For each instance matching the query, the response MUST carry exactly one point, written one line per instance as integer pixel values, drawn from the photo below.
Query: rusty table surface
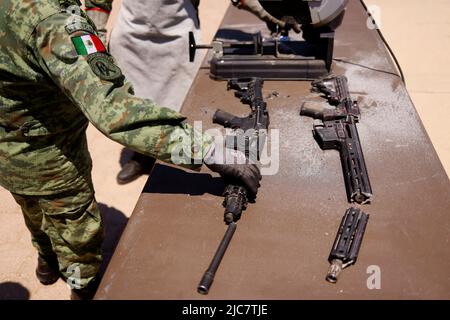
(282, 242)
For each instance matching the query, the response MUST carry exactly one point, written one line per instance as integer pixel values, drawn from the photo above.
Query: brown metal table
(281, 246)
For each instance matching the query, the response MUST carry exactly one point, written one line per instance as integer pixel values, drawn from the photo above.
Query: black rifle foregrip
(356, 177)
(342, 135)
(347, 243)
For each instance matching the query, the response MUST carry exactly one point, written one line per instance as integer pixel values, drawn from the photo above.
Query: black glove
(233, 166)
(257, 9)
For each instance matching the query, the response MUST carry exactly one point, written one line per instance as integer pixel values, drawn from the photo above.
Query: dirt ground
(420, 41)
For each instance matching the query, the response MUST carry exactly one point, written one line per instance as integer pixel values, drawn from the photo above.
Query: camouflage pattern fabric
(104, 4)
(48, 92)
(70, 226)
(99, 17)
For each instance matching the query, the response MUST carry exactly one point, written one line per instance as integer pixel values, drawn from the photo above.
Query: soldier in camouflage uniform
(55, 77)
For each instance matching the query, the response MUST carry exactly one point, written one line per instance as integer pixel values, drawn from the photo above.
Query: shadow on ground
(115, 222)
(13, 291)
(167, 179)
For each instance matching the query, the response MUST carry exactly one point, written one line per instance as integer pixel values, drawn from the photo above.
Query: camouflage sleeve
(98, 11)
(95, 85)
(103, 4)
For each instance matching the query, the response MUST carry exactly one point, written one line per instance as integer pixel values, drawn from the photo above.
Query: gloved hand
(257, 9)
(100, 18)
(233, 166)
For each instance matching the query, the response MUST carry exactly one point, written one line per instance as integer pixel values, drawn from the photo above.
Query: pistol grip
(312, 110)
(223, 118)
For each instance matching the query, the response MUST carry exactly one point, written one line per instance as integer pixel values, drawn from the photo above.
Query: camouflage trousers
(66, 226)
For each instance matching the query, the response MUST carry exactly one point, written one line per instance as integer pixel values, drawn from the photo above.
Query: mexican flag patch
(88, 44)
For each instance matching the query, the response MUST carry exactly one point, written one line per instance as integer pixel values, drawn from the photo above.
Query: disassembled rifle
(253, 129)
(243, 55)
(338, 131)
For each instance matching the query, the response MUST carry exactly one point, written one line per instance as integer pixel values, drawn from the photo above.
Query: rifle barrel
(208, 276)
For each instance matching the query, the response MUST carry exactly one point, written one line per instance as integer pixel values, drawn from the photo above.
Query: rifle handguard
(348, 241)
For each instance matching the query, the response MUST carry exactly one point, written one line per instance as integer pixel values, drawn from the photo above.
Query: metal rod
(203, 46)
(208, 276)
(334, 271)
